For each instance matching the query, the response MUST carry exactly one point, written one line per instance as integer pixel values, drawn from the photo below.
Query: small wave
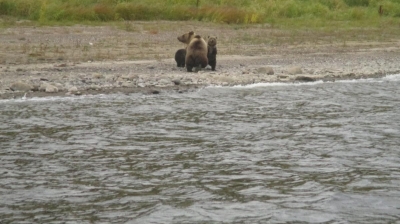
(50, 98)
(257, 85)
(394, 77)
(70, 98)
(368, 80)
(41, 99)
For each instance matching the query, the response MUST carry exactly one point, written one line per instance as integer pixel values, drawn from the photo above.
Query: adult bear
(196, 51)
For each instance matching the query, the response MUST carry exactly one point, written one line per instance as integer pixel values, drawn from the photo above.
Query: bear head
(187, 37)
(212, 41)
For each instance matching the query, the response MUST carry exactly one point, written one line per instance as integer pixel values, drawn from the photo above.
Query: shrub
(130, 11)
(228, 11)
(7, 7)
(104, 12)
(357, 2)
(334, 4)
(357, 13)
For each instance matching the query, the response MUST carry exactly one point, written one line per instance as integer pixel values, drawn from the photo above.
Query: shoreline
(155, 77)
(63, 69)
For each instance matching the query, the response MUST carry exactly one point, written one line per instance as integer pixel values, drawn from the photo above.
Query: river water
(266, 153)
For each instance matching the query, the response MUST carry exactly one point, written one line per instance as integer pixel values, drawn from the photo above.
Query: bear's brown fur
(196, 51)
(212, 52)
(180, 57)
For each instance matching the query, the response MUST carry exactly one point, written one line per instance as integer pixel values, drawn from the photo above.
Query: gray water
(273, 153)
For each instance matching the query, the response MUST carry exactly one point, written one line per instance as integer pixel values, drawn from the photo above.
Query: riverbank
(76, 60)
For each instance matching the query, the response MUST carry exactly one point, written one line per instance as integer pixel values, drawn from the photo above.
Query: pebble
(266, 70)
(295, 70)
(128, 85)
(305, 79)
(51, 89)
(73, 89)
(97, 76)
(176, 82)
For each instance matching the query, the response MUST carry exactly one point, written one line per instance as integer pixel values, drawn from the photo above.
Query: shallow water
(276, 153)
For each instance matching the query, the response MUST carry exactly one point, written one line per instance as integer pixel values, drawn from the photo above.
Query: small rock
(164, 82)
(182, 90)
(142, 85)
(305, 79)
(20, 86)
(127, 85)
(97, 76)
(351, 75)
(73, 89)
(35, 87)
(176, 81)
(295, 70)
(155, 92)
(129, 77)
(51, 89)
(93, 87)
(42, 87)
(59, 86)
(310, 71)
(188, 81)
(283, 76)
(265, 70)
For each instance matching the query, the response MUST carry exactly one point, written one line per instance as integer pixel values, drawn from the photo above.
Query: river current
(266, 153)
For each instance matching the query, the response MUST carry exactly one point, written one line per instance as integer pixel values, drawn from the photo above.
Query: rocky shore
(64, 76)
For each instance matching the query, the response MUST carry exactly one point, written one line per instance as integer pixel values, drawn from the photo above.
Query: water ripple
(320, 153)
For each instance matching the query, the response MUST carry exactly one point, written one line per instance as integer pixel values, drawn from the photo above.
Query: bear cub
(180, 57)
(212, 52)
(196, 51)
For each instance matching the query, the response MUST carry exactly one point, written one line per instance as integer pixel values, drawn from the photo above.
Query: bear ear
(208, 37)
(191, 32)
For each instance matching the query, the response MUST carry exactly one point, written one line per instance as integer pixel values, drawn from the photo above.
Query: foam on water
(394, 78)
(42, 99)
(57, 98)
(257, 85)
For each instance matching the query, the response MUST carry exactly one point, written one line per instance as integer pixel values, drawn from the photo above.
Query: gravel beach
(139, 57)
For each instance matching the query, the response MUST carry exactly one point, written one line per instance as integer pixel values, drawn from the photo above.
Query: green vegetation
(224, 11)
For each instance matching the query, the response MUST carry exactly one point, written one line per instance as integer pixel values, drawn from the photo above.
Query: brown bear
(212, 52)
(180, 57)
(196, 51)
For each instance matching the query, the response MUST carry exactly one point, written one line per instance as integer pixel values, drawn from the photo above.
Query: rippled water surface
(273, 153)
